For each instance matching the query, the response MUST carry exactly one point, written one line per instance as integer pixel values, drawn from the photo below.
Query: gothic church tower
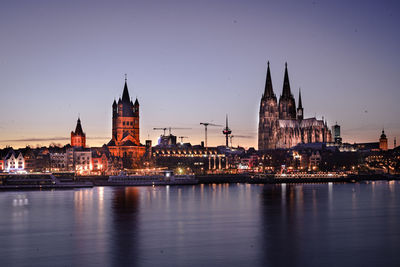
(125, 120)
(287, 105)
(268, 117)
(78, 138)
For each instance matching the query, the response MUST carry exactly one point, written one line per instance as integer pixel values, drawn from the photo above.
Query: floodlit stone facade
(281, 126)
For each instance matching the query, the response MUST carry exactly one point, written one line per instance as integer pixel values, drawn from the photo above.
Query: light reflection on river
(204, 225)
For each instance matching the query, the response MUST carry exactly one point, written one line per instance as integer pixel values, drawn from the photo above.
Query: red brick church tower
(78, 138)
(125, 142)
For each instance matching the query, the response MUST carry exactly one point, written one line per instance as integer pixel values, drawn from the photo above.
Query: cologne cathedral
(281, 125)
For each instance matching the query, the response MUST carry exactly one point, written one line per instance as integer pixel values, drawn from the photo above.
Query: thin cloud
(50, 139)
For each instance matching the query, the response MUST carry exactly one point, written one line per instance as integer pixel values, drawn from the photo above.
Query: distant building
(125, 141)
(383, 142)
(99, 161)
(79, 160)
(58, 161)
(367, 147)
(336, 134)
(281, 126)
(197, 158)
(14, 162)
(78, 138)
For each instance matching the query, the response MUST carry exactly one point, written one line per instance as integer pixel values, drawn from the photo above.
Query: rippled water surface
(204, 225)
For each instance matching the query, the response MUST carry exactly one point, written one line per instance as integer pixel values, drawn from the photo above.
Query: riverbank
(47, 181)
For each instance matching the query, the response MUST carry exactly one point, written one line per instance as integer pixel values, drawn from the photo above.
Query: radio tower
(227, 131)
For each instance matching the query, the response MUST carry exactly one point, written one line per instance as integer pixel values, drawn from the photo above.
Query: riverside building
(125, 140)
(281, 125)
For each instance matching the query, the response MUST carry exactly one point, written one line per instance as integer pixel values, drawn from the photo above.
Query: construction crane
(206, 124)
(170, 128)
(226, 131)
(181, 137)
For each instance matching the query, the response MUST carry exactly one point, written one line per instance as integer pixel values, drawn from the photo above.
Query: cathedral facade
(281, 124)
(125, 141)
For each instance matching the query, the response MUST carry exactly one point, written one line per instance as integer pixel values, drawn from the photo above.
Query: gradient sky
(195, 61)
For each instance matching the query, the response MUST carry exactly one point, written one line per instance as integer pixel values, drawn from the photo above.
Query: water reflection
(330, 225)
(204, 225)
(125, 226)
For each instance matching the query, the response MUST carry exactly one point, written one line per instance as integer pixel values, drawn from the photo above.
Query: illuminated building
(78, 138)
(79, 160)
(58, 161)
(198, 158)
(99, 162)
(336, 134)
(281, 125)
(383, 142)
(125, 142)
(13, 162)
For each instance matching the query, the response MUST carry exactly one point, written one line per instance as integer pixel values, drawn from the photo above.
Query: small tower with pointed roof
(78, 138)
(300, 111)
(383, 142)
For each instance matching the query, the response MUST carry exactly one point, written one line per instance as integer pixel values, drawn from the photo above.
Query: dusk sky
(195, 61)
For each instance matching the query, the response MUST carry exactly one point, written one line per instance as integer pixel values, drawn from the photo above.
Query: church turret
(383, 142)
(287, 105)
(136, 107)
(78, 138)
(300, 111)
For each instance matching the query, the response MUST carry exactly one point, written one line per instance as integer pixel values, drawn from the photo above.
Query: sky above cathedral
(195, 61)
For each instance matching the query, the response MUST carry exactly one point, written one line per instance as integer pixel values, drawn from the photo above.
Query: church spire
(268, 92)
(300, 103)
(78, 129)
(286, 85)
(125, 94)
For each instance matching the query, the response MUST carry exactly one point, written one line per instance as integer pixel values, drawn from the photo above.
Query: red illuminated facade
(78, 138)
(125, 142)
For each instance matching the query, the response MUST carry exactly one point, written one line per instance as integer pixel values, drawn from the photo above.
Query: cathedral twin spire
(286, 91)
(268, 92)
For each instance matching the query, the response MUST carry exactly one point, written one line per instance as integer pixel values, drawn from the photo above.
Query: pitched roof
(78, 129)
(125, 94)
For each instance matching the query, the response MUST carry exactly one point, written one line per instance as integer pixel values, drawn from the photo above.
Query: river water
(204, 225)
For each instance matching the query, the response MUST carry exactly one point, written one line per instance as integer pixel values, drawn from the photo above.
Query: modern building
(125, 141)
(336, 134)
(281, 126)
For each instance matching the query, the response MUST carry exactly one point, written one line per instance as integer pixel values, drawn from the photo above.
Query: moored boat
(159, 178)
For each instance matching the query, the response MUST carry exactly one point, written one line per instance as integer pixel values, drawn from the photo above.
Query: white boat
(160, 178)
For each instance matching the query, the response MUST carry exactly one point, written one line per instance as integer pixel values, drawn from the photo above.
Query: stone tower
(287, 105)
(383, 142)
(78, 138)
(268, 117)
(125, 119)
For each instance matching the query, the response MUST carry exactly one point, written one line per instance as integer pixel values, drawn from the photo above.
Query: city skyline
(191, 63)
